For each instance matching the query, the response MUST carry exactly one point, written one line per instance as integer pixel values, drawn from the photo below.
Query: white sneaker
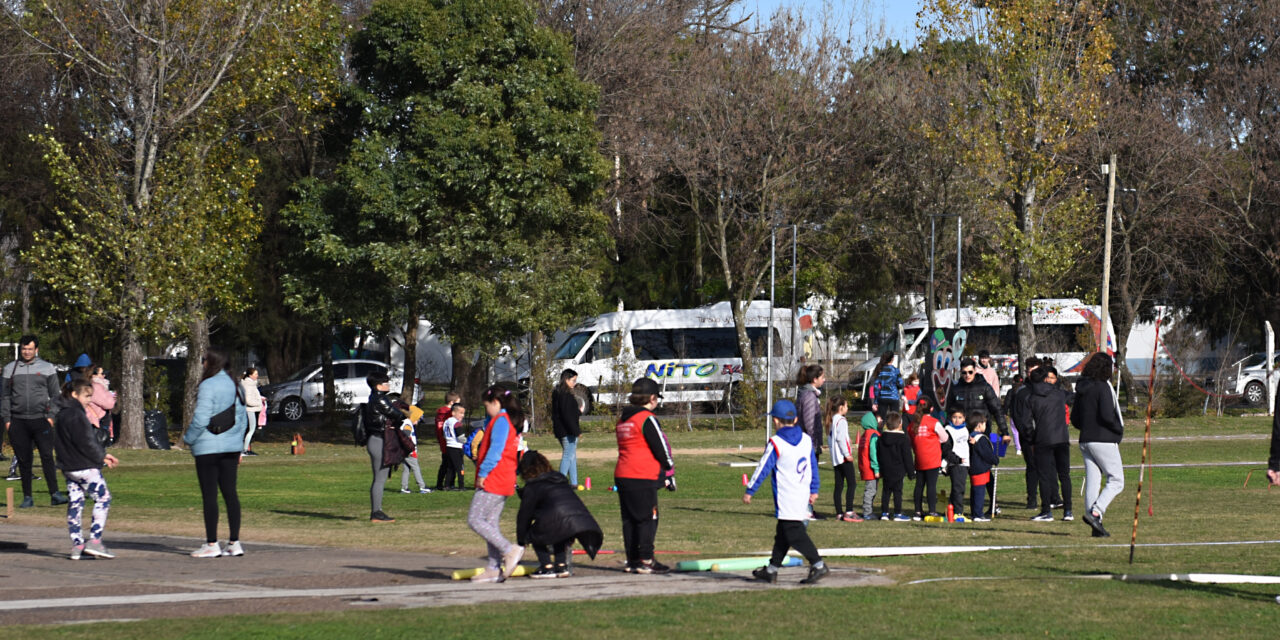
(233, 549)
(208, 550)
(511, 560)
(488, 575)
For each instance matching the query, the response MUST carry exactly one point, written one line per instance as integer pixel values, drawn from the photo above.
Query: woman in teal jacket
(218, 454)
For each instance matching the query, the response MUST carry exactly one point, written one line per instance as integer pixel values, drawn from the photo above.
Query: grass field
(322, 498)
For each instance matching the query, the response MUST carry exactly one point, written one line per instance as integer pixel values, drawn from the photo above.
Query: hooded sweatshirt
(868, 459)
(790, 461)
(1095, 412)
(1048, 405)
(76, 446)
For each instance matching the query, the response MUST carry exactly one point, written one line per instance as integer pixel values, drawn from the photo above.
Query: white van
(692, 353)
(1067, 331)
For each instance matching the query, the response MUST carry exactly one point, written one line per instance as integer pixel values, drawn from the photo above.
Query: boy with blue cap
(790, 460)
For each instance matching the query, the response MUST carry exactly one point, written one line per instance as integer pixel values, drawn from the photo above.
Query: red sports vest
(912, 394)
(864, 453)
(927, 445)
(635, 460)
(502, 480)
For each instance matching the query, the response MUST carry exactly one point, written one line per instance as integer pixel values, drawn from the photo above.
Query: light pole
(773, 277)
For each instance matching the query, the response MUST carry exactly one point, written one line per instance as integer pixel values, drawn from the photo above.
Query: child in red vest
(644, 465)
(926, 439)
(868, 461)
(496, 481)
(911, 396)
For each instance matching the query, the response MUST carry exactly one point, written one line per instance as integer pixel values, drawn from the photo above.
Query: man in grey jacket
(27, 408)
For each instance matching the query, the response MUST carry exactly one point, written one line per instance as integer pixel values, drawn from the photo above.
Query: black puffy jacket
(551, 513)
(565, 414)
(1094, 412)
(978, 396)
(1048, 409)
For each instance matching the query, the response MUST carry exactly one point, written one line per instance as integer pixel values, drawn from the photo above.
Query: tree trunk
(540, 382)
(198, 345)
(470, 374)
(410, 352)
(1026, 335)
(131, 362)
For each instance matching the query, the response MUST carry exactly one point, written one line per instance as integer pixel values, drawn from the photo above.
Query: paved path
(153, 577)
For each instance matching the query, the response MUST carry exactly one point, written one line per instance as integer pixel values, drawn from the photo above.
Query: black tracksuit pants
(639, 521)
(1053, 461)
(27, 435)
(791, 534)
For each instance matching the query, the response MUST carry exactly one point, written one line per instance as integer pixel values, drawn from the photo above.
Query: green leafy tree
(469, 194)
(1039, 82)
(159, 222)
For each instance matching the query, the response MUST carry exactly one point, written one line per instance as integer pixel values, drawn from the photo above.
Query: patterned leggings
(90, 483)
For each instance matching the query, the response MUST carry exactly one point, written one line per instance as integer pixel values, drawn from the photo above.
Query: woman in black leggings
(216, 437)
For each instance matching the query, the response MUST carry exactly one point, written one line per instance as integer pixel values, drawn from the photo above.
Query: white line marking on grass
(880, 552)
(1167, 465)
(1198, 578)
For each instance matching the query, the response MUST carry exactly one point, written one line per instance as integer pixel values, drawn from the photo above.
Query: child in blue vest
(982, 457)
(790, 460)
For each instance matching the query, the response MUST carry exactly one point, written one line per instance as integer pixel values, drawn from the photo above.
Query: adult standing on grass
(496, 481)
(1273, 461)
(565, 414)
(28, 408)
(644, 465)
(1096, 413)
(1048, 408)
(886, 390)
(379, 413)
(1020, 413)
(216, 439)
(252, 404)
(809, 381)
(974, 393)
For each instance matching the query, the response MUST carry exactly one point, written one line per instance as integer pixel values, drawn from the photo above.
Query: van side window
(654, 344)
(605, 346)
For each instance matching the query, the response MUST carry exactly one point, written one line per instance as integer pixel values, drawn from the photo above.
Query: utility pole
(773, 277)
(959, 249)
(1106, 256)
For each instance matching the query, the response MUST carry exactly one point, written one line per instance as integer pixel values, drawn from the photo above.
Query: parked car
(1248, 377)
(303, 392)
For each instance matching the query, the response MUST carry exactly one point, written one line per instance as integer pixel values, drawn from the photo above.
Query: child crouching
(551, 517)
(791, 462)
(81, 456)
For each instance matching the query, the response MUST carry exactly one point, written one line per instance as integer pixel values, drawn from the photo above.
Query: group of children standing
(919, 445)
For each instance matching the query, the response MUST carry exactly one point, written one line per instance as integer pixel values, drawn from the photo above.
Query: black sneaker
(57, 497)
(378, 516)
(763, 574)
(543, 572)
(1043, 517)
(1067, 517)
(1094, 523)
(563, 571)
(816, 574)
(1032, 505)
(651, 567)
(249, 453)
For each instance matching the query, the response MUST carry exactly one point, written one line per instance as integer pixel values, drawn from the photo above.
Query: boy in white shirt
(453, 449)
(790, 460)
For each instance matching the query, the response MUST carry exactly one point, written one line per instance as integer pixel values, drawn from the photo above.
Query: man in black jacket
(973, 393)
(27, 408)
(1020, 413)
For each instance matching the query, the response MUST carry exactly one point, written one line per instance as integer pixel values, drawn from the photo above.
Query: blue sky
(898, 16)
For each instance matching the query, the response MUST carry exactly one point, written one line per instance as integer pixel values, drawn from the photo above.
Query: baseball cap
(784, 410)
(646, 387)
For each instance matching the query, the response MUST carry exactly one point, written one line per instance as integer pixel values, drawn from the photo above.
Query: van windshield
(572, 346)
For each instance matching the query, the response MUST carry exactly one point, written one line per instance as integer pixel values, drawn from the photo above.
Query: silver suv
(1248, 377)
(303, 392)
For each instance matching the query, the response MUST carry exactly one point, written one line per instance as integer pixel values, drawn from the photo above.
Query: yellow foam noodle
(465, 574)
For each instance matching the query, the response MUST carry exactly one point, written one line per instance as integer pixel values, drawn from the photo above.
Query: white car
(303, 392)
(1248, 377)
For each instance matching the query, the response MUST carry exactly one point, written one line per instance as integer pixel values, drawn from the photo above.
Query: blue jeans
(569, 459)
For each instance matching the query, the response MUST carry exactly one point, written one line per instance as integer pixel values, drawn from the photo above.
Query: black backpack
(358, 432)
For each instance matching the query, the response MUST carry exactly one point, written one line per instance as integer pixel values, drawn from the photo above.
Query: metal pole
(773, 276)
(1106, 256)
(959, 248)
(794, 309)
